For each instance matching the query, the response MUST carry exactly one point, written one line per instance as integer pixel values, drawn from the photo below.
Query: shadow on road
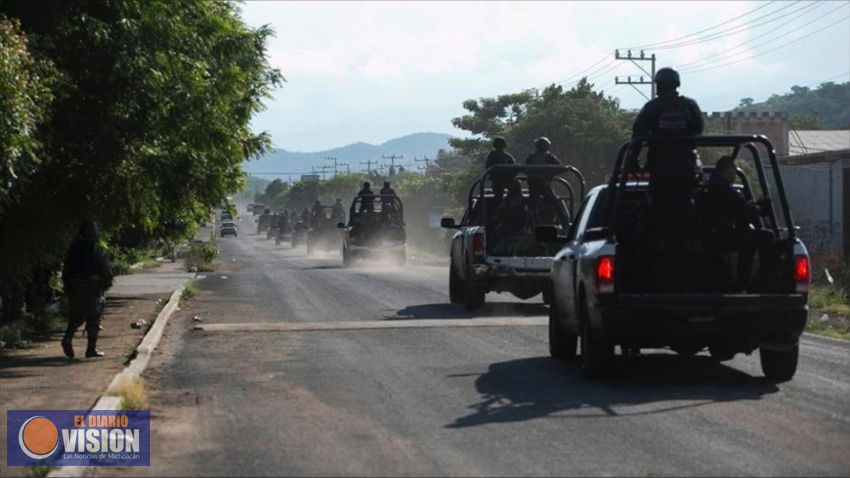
(530, 388)
(451, 311)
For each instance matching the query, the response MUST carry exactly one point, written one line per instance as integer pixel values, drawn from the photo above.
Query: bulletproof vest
(81, 260)
(674, 159)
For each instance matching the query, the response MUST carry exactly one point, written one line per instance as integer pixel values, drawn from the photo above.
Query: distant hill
(825, 107)
(294, 162)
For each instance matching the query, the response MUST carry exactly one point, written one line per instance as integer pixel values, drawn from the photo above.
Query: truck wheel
(779, 365)
(597, 353)
(562, 344)
(473, 297)
(455, 285)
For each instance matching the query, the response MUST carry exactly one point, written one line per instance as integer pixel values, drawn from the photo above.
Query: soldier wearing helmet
(541, 188)
(673, 164)
(499, 156)
(541, 154)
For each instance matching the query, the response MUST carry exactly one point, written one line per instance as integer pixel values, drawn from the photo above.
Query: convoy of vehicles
(375, 230)
(608, 290)
(538, 233)
(495, 248)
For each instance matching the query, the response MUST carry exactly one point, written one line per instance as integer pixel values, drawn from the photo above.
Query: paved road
(447, 400)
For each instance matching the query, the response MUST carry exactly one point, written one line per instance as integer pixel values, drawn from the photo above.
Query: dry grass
(133, 393)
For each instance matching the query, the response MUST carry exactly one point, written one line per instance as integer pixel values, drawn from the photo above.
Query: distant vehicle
(258, 209)
(228, 228)
(611, 290)
(495, 249)
(323, 234)
(249, 207)
(264, 222)
(375, 230)
(225, 216)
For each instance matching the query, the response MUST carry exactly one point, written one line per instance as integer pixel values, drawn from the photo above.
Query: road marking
(372, 324)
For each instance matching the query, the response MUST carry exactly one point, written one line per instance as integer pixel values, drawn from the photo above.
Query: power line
(726, 53)
(651, 45)
(734, 30)
(707, 68)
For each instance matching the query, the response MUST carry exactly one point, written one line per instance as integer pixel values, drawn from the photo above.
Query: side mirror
(340, 225)
(548, 234)
(595, 234)
(448, 223)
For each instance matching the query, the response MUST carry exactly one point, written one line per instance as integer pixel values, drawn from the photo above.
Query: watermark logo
(78, 437)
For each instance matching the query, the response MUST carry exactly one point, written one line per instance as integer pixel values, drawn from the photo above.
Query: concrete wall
(773, 125)
(819, 202)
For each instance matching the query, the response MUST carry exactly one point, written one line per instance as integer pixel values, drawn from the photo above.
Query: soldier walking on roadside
(86, 275)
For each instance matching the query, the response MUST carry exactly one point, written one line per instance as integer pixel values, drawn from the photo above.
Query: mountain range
(283, 163)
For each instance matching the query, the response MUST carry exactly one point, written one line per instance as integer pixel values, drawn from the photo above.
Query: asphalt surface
(243, 400)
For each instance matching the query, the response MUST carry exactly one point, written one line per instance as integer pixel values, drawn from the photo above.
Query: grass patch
(133, 393)
(829, 295)
(827, 329)
(189, 291)
(150, 264)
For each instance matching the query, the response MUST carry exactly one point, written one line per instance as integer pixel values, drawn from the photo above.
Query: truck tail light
(479, 244)
(605, 274)
(802, 273)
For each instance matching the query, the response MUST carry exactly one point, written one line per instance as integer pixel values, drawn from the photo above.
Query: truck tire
(455, 285)
(562, 344)
(597, 353)
(779, 365)
(473, 296)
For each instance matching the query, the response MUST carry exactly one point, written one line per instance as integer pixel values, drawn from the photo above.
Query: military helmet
(542, 143)
(667, 78)
(499, 142)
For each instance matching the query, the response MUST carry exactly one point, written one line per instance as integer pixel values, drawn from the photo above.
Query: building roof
(802, 142)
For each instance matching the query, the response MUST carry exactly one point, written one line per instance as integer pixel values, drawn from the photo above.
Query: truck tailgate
(711, 304)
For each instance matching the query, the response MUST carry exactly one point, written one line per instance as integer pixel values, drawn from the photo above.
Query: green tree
(148, 126)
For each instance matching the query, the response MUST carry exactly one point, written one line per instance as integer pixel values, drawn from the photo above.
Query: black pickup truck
(375, 230)
(609, 291)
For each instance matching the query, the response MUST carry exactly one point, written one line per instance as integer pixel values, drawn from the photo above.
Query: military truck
(323, 234)
(610, 288)
(375, 229)
(494, 248)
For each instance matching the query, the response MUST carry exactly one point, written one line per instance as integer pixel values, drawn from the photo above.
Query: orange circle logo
(38, 438)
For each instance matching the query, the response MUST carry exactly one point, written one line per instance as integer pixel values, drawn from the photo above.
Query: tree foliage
(148, 124)
(825, 107)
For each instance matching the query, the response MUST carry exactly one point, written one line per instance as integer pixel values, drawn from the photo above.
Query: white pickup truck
(494, 248)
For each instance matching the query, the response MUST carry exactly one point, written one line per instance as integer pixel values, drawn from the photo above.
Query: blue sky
(372, 71)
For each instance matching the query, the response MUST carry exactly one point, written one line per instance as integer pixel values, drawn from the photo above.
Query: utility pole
(368, 165)
(331, 158)
(426, 160)
(323, 169)
(347, 167)
(635, 59)
(392, 159)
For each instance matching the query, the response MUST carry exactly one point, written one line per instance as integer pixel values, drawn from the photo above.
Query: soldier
(317, 209)
(305, 217)
(538, 188)
(338, 212)
(387, 195)
(672, 165)
(86, 275)
(367, 203)
(730, 215)
(499, 156)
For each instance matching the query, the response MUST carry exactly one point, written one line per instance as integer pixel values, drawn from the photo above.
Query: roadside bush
(201, 256)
